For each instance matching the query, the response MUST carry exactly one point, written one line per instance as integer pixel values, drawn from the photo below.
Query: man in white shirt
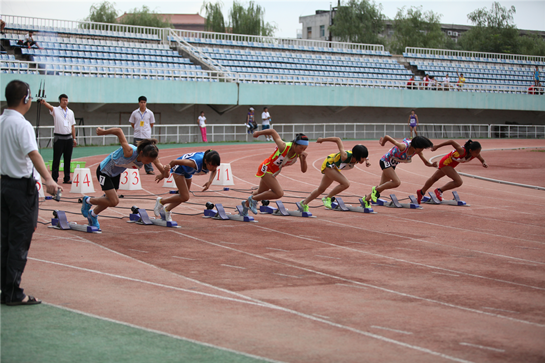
(266, 122)
(142, 120)
(18, 157)
(64, 138)
(29, 40)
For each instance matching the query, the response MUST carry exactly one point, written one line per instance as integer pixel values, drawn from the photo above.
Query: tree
(214, 17)
(358, 21)
(417, 29)
(102, 13)
(145, 17)
(532, 45)
(249, 20)
(493, 31)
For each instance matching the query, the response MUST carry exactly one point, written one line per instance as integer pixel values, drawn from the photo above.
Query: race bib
(264, 169)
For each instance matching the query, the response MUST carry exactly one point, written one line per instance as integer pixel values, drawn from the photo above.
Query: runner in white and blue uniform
(109, 171)
(182, 170)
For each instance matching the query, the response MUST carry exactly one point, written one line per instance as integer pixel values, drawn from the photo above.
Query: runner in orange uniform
(286, 154)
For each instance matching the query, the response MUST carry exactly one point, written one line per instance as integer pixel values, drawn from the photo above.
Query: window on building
(309, 32)
(322, 31)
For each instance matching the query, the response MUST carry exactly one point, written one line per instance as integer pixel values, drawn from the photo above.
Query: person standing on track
(331, 169)
(266, 122)
(202, 126)
(65, 136)
(402, 152)
(413, 123)
(19, 156)
(109, 171)
(142, 121)
(471, 150)
(285, 154)
(183, 170)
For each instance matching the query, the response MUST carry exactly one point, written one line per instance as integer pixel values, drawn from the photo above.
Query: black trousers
(60, 147)
(147, 167)
(19, 220)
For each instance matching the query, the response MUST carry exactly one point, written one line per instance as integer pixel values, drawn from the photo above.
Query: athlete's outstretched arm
(426, 161)
(277, 139)
(303, 158)
(336, 140)
(482, 161)
(452, 143)
(401, 146)
(127, 149)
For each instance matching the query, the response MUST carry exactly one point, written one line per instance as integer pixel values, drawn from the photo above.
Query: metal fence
(469, 54)
(181, 134)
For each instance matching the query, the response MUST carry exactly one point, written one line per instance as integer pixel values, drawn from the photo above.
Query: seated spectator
(411, 84)
(446, 83)
(2, 25)
(536, 89)
(433, 83)
(29, 41)
(426, 81)
(461, 80)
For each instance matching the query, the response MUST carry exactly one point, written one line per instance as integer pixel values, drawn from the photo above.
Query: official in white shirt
(18, 157)
(142, 120)
(266, 122)
(64, 138)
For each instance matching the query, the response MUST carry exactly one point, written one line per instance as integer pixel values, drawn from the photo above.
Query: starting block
(140, 216)
(221, 214)
(282, 211)
(61, 222)
(339, 205)
(395, 203)
(432, 199)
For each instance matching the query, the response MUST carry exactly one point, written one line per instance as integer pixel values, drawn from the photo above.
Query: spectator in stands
(461, 79)
(433, 83)
(142, 120)
(536, 77)
(202, 126)
(446, 83)
(535, 89)
(250, 121)
(64, 138)
(29, 40)
(425, 81)
(2, 25)
(411, 84)
(266, 122)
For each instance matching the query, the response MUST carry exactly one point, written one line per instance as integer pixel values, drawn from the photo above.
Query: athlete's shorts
(265, 127)
(330, 166)
(107, 182)
(180, 171)
(386, 165)
(412, 125)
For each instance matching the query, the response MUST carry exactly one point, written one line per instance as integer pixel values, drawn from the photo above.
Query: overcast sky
(285, 14)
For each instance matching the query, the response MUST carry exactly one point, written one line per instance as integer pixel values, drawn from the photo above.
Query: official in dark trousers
(142, 120)
(18, 157)
(64, 138)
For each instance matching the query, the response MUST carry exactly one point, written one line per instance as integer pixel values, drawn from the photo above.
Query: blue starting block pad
(432, 199)
(395, 203)
(61, 222)
(282, 211)
(339, 205)
(140, 216)
(221, 214)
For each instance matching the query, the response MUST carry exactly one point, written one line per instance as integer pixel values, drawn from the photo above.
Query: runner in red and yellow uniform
(470, 151)
(286, 154)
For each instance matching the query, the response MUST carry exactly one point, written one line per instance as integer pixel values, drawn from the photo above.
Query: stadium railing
(468, 56)
(189, 133)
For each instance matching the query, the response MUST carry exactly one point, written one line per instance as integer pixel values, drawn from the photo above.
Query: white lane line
(483, 347)
(229, 243)
(359, 287)
(138, 250)
(184, 258)
(521, 263)
(360, 243)
(528, 248)
(507, 311)
(276, 249)
(321, 316)
(441, 273)
(384, 264)
(408, 249)
(163, 333)
(336, 258)
(395, 330)
(295, 277)
(242, 268)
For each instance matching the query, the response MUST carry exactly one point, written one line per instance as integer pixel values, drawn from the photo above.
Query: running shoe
(439, 194)
(159, 209)
(244, 209)
(303, 206)
(374, 194)
(327, 202)
(93, 221)
(85, 206)
(366, 203)
(253, 204)
(168, 217)
(419, 196)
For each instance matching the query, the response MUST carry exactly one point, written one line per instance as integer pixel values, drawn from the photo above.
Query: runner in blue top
(109, 171)
(402, 152)
(183, 170)
(413, 123)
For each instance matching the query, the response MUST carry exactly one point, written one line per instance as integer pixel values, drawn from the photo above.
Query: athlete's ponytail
(212, 157)
(148, 148)
(300, 139)
(472, 145)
